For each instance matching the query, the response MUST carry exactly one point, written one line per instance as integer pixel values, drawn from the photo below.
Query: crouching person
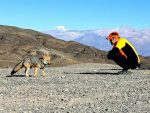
(123, 53)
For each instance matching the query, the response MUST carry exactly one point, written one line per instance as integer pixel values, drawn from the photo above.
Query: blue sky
(75, 14)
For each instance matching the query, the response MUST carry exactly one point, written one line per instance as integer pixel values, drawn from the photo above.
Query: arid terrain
(16, 42)
(80, 78)
(80, 88)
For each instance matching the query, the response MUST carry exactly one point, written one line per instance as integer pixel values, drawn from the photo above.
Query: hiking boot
(126, 72)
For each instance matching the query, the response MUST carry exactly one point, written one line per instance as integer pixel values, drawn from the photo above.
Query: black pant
(123, 62)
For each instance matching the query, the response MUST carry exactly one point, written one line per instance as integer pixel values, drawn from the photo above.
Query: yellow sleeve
(121, 43)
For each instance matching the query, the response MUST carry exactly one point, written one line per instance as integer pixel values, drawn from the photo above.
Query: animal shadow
(17, 76)
(101, 73)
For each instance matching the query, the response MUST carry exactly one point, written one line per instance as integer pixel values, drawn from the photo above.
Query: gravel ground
(80, 88)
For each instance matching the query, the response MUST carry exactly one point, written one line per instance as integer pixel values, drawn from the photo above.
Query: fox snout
(49, 63)
(47, 60)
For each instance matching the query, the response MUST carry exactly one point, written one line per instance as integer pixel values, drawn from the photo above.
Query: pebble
(79, 88)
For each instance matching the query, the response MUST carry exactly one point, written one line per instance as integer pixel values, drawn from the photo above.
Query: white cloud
(61, 28)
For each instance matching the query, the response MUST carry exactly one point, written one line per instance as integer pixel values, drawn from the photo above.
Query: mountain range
(15, 44)
(140, 38)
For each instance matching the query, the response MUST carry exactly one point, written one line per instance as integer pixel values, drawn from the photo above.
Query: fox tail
(17, 67)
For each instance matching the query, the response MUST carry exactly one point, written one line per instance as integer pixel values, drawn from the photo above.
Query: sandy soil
(80, 88)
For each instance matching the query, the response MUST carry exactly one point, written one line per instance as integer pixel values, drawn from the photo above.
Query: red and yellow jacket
(125, 48)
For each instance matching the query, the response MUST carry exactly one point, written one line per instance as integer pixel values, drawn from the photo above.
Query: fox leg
(43, 71)
(36, 71)
(26, 71)
(27, 68)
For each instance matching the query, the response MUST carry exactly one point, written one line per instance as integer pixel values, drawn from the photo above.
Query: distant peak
(61, 28)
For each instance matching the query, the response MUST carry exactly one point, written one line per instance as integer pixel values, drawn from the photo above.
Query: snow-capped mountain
(140, 38)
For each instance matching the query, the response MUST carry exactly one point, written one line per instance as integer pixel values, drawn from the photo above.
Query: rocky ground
(80, 88)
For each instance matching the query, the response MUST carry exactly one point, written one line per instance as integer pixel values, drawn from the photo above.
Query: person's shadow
(99, 72)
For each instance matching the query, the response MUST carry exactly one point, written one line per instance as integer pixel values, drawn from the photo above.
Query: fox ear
(47, 54)
(40, 54)
(32, 52)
